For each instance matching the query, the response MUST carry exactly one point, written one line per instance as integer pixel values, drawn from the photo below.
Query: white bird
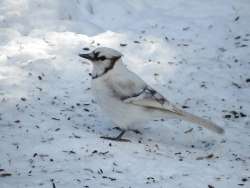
(127, 99)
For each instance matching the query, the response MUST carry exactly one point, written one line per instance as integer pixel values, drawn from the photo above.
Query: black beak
(86, 56)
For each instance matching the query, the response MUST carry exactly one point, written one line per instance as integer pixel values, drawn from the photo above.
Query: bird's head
(102, 55)
(103, 59)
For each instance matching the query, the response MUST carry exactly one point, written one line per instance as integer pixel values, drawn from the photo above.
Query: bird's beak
(86, 56)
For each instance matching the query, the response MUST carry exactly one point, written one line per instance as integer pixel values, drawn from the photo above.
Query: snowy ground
(195, 52)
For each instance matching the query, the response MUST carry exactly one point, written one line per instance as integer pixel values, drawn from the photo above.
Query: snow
(196, 53)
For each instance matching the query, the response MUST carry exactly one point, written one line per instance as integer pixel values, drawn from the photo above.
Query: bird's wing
(148, 97)
(132, 89)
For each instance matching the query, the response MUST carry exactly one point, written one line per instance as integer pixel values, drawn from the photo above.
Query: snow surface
(196, 53)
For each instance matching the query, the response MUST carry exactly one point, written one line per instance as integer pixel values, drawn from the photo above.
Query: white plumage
(127, 99)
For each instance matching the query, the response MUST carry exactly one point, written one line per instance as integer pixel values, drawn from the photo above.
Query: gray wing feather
(148, 97)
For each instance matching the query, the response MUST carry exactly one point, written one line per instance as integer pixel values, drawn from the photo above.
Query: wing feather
(148, 97)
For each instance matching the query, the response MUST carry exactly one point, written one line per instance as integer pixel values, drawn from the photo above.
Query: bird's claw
(115, 139)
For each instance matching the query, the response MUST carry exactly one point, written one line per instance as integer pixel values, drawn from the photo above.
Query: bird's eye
(102, 58)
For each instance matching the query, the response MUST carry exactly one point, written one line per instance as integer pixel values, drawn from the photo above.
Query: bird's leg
(118, 138)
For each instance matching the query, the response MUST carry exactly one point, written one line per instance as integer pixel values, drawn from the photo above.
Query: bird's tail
(201, 121)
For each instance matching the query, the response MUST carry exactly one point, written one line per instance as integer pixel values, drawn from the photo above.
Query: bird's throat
(106, 69)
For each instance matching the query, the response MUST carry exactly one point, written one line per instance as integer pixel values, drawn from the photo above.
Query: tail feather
(201, 121)
(173, 111)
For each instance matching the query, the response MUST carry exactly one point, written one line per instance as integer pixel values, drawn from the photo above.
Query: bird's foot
(118, 138)
(115, 139)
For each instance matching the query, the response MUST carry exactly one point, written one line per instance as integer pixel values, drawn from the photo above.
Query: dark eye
(102, 58)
